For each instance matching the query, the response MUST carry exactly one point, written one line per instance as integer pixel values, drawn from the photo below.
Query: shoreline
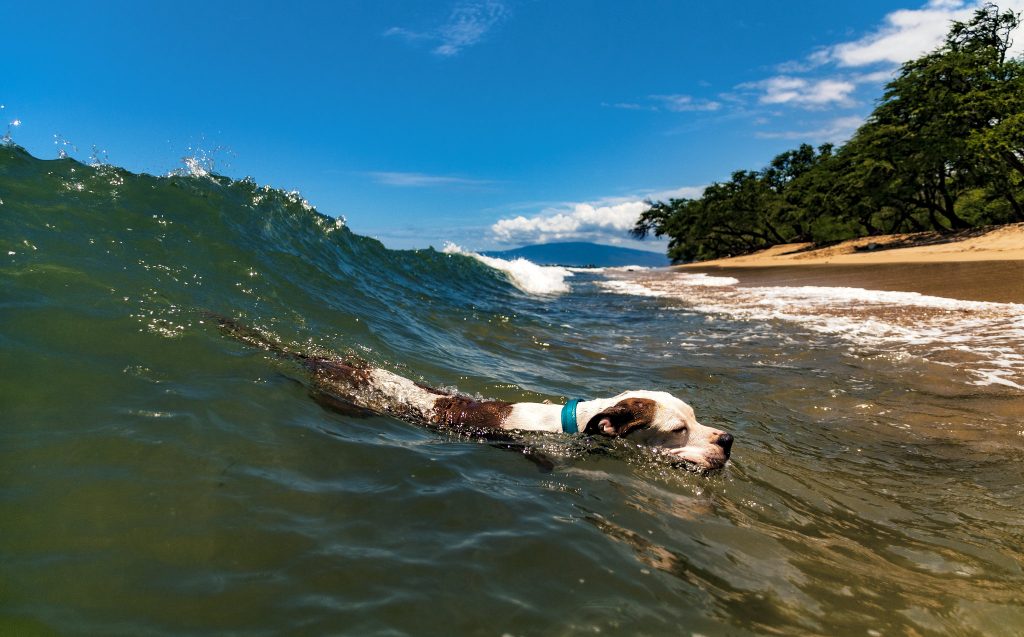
(975, 265)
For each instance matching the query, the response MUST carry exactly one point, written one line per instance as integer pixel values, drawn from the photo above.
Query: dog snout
(725, 442)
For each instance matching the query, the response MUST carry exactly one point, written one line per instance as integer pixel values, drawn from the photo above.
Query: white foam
(617, 268)
(707, 280)
(631, 288)
(525, 275)
(985, 339)
(196, 167)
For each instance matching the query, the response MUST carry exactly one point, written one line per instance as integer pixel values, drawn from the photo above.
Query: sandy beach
(977, 265)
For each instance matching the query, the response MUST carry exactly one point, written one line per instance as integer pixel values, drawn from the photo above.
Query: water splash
(98, 157)
(200, 162)
(8, 137)
(63, 144)
(525, 275)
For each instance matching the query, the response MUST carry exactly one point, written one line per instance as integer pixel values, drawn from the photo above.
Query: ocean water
(157, 478)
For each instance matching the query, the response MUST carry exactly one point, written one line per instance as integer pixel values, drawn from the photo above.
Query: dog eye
(680, 429)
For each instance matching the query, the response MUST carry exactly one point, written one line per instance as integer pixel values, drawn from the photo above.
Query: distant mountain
(582, 254)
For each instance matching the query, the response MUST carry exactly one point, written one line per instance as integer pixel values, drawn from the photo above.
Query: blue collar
(569, 416)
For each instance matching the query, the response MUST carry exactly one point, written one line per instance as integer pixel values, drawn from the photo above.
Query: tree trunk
(1013, 160)
(948, 210)
(915, 225)
(904, 216)
(936, 224)
(865, 220)
(1018, 212)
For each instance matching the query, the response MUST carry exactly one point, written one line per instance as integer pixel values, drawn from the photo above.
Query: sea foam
(985, 339)
(525, 275)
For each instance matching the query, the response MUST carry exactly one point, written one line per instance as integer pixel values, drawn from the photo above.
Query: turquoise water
(157, 478)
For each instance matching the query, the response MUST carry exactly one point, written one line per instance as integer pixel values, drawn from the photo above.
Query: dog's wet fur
(652, 418)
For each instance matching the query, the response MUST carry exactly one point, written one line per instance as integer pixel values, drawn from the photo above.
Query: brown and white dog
(652, 418)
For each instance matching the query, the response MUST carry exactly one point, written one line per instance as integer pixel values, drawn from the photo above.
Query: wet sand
(997, 281)
(976, 265)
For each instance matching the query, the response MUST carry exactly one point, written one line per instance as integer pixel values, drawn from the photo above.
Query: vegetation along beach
(849, 307)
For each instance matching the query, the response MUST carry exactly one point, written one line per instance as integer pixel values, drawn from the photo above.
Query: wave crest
(522, 273)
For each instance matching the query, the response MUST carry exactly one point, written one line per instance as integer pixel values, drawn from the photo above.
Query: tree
(944, 113)
(943, 150)
(794, 175)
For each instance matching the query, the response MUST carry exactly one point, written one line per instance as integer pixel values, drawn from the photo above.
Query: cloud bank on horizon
(606, 221)
(827, 80)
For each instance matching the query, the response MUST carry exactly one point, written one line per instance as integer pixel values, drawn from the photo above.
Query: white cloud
(811, 62)
(605, 221)
(680, 103)
(875, 77)
(910, 33)
(407, 34)
(836, 131)
(420, 180)
(686, 192)
(785, 89)
(467, 24)
(903, 35)
(673, 103)
(628, 106)
(581, 220)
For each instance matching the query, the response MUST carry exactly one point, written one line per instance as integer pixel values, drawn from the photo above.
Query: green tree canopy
(943, 150)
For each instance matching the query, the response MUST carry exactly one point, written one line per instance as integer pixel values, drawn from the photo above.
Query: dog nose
(725, 442)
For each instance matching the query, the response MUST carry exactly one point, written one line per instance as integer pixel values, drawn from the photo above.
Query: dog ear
(623, 417)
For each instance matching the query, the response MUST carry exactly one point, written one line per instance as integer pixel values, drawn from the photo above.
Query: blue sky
(489, 123)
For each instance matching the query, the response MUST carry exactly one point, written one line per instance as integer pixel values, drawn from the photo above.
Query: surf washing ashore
(159, 478)
(985, 264)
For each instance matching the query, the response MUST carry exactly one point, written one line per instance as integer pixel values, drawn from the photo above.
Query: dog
(652, 418)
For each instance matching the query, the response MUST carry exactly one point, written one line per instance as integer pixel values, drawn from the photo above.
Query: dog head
(661, 420)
